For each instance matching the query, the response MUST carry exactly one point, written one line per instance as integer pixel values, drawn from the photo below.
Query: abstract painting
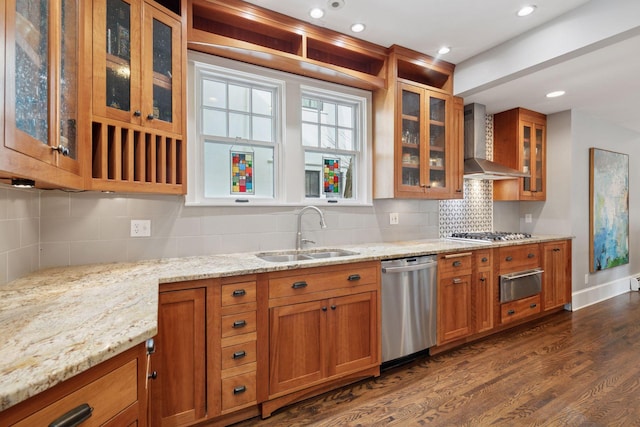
(609, 209)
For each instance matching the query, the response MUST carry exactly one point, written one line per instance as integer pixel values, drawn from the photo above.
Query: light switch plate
(140, 228)
(527, 218)
(394, 218)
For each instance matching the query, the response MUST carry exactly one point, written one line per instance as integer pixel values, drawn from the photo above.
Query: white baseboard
(595, 294)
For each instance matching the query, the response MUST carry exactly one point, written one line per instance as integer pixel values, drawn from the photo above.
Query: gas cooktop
(490, 236)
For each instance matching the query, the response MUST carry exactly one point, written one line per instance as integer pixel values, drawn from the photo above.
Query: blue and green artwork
(609, 239)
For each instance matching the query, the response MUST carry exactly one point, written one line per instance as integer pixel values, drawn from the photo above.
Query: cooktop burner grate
(491, 236)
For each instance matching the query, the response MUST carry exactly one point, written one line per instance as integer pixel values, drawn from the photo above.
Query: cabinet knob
(484, 259)
(508, 258)
(511, 312)
(324, 308)
(457, 264)
(150, 117)
(153, 375)
(531, 256)
(137, 113)
(483, 279)
(333, 307)
(534, 305)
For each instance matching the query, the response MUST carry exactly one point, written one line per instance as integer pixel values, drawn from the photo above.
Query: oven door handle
(523, 274)
(414, 267)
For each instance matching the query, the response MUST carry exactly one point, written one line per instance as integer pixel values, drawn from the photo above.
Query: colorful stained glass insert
(332, 177)
(242, 173)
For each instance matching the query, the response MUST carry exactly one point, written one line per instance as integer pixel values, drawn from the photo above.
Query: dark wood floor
(572, 369)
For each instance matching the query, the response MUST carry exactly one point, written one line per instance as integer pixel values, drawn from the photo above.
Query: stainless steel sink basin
(302, 256)
(331, 254)
(283, 257)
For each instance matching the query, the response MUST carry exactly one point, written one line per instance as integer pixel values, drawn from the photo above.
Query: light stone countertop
(57, 323)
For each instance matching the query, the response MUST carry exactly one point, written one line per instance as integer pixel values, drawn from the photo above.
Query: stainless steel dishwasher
(408, 306)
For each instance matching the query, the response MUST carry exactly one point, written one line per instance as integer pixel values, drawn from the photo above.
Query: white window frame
(289, 185)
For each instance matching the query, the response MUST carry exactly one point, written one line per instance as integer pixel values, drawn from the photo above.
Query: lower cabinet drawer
(239, 390)
(519, 309)
(107, 395)
(239, 354)
(238, 324)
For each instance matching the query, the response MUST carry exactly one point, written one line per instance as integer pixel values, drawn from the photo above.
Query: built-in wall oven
(408, 306)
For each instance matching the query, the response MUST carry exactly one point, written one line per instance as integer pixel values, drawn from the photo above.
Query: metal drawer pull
(299, 285)
(513, 276)
(531, 256)
(333, 307)
(353, 277)
(457, 255)
(74, 417)
(511, 312)
(508, 258)
(483, 279)
(457, 280)
(324, 308)
(534, 305)
(457, 263)
(239, 389)
(239, 324)
(239, 354)
(239, 293)
(484, 259)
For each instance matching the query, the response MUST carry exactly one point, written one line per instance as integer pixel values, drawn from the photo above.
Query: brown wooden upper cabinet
(137, 120)
(520, 142)
(137, 66)
(41, 84)
(417, 145)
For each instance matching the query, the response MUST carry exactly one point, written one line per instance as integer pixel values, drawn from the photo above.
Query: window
(263, 137)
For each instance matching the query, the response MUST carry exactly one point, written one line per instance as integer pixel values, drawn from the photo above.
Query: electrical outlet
(140, 228)
(394, 218)
(527, 218)
(586, 278)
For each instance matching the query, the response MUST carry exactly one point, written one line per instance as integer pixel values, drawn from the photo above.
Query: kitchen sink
(303, 256)
(330, 254)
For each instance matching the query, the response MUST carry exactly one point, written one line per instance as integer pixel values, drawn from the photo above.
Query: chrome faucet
(299, 239)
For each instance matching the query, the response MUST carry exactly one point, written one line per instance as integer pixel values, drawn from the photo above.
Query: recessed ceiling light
(555, 94)
(527, 10)
(316, 13)
(444, 50)
(358, 28)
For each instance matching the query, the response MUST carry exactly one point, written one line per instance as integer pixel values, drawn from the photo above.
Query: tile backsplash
(475, 211)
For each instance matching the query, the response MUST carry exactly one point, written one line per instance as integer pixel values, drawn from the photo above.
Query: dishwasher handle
(522, 274)
(414, 267)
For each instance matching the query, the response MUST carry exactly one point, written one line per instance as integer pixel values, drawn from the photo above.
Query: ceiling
(600, 73)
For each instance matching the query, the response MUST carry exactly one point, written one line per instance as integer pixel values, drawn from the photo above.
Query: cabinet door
(297, 346)
(161, 67)
(440, 161)
(41, 80)
(556, 279)
(178, 393)
(533, 161)
(412, 173)
(116, 60)
(353, 332)
(454, 308)
(483, 288)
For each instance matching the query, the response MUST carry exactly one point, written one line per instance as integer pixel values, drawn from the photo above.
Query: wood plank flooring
(571, 369)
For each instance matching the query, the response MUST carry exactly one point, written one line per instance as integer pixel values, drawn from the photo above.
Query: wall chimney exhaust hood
(476, 166)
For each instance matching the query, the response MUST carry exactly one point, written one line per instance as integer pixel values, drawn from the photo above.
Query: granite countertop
(59, 322)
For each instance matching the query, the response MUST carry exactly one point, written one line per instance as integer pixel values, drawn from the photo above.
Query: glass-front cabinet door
(41, 81)
(161, 98)
(116, 60)
(422, 147)
(533, 149)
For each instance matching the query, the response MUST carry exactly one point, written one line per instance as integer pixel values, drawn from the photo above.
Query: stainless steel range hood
(476, 166)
